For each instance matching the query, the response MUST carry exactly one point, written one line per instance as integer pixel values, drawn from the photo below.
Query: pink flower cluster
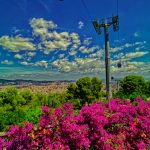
(116, 125)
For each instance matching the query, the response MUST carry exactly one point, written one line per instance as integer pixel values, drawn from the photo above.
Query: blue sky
(55, 40)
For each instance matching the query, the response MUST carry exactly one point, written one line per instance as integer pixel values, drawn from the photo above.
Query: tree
(72, 88)
(147, 90)
(132, 86)
(9, 95)
(85, 88)
(132, 83)
(96, 86)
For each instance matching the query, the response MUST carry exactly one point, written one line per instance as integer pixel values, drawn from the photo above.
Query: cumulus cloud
(55, 45)
(42, 63)
(59, 41)
(61, 56)
(116, 49)
(72, 53)
(85, 49)
(119, 56)
(41, 26)
(80, 24)
(140, 43)
(132, 55)
(7, 62)
(97, 54)
(25, 63)
(120, 48)
(136, 34)
(94, 64)
(129, 67)
(87, 41)
(31, 54)
(18, 56)
(86, 65)
(51, 40)
(136, 45)
(16, 44)
(63, 65)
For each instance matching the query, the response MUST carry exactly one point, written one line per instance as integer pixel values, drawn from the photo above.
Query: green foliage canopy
(85, 88)
(132, 86)
(132, 83)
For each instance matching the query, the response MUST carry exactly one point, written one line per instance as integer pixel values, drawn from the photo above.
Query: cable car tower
(106, 23)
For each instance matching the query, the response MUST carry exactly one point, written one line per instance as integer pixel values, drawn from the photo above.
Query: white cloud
(74, 47)
(31, 54)
(85, 49)
(16, 44)
(15, 30)
(18, 56)
(119, 56)
(61, 56)
(140, 43)
(120, 48)
(86, 65)
(136, 45)
(116, 49)
(75, 41)
(42, 63)
(7, 62)
(136, 34)
(80, 24)
(53, 45)
(129, 67)
(41, 27)
(52, 40)
(97, 54)
(25, 63)
(87, 41)
(132, 55)
(72, 53)
(59, 41)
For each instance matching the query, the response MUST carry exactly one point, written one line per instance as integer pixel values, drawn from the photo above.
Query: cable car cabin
(112, 78)
(119, 65)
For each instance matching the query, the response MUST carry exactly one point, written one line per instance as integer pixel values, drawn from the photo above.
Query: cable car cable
(117, 6)
(119, 64)
(87, 10)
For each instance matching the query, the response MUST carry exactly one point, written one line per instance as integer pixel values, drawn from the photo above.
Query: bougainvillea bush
(118, 125)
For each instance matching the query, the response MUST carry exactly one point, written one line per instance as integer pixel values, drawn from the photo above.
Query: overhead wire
(118, 36)
(117, 6)
(89, 16)
(119, 65)
(86, 9)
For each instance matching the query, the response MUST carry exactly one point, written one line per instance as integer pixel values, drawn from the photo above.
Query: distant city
(4, 82)
(45, 86)
(36, 86)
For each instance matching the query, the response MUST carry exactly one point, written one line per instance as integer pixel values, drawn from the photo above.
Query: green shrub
(8, 118)
(27, 95)
(134, 95)
(33, 115)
